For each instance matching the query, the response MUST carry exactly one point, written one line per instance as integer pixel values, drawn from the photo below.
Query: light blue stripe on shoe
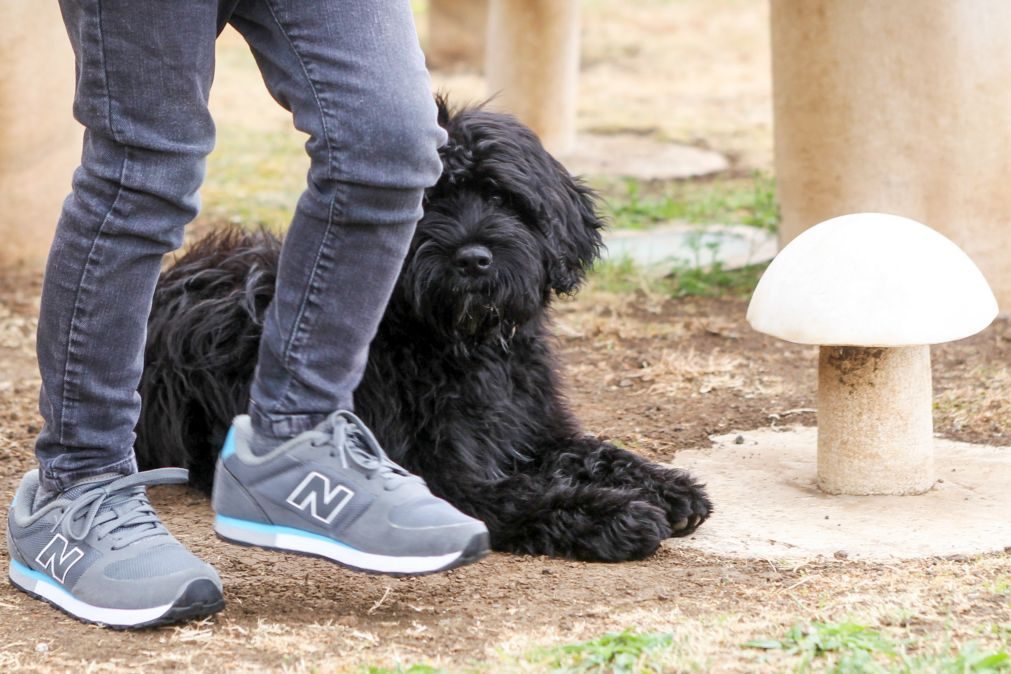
(35, 575)
(228, 448)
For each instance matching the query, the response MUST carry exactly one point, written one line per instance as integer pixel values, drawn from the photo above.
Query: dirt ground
(654, 374)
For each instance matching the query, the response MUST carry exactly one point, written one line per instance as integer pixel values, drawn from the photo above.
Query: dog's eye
(495, 200)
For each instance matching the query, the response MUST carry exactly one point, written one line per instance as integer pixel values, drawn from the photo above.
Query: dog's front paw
(686, 503)
(633, 532)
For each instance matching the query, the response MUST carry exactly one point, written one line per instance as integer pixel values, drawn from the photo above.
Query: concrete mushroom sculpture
(873, 291)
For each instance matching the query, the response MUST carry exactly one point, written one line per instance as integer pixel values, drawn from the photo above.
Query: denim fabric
(353, 76)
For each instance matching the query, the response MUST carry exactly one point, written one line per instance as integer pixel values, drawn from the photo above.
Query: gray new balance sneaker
(332, 492)
(99, 552)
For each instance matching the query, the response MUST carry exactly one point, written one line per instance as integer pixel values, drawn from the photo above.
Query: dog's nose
(473, 259)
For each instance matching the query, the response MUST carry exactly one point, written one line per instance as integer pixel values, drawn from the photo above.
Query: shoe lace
(351, 441)
(119, 509)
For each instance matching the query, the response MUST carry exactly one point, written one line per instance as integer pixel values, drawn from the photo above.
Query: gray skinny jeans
(353, 76)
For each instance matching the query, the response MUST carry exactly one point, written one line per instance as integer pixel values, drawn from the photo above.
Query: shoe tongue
(387, 468)
(119, 507)
(43, 497)
(356, 443)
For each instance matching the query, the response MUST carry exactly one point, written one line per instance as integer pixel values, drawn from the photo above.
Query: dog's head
(505, 227)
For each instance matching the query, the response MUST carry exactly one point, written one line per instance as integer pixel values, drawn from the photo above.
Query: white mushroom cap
(871, 279)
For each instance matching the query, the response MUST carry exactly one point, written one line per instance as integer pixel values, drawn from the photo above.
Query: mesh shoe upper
(103, 543)
(336, 481)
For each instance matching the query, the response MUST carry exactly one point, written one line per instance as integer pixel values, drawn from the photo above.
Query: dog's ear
(575, 229)
(508, 160)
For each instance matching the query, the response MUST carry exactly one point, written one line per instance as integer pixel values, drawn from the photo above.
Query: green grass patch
(255, 177)
(852, 648)
(806, 648)
(744, 201)
(716, 281)
(623, 276)
(405, 669)
(625, 652)
(971, 659)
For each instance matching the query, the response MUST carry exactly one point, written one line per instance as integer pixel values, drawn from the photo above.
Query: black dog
(461, 385)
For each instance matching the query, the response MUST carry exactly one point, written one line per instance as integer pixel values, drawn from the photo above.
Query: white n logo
(58, 564)
(314, 487)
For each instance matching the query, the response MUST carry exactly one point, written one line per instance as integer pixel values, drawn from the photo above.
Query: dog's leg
(591, 461)
(543, 515)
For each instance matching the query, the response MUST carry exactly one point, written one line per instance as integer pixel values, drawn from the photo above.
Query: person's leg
(144, 72)
(354, 77)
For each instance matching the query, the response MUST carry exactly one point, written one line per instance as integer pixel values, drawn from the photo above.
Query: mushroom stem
(875, 423)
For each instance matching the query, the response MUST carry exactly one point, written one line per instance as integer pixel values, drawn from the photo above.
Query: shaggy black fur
(461, 385)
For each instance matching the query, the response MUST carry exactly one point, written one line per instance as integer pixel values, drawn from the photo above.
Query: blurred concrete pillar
(40, 143)
(532, 65)
(903, 107)
(456, 33)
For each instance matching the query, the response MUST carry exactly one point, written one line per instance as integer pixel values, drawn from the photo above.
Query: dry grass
(933, 609)
(981, 403)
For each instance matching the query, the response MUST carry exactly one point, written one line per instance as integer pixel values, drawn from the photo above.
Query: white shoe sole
(292, 540)
(43, 587)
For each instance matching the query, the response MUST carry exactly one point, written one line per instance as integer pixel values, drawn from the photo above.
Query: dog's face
(505, 227)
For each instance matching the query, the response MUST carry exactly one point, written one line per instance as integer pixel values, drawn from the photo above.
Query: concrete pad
(628, 155)
(663, 248)
(768, 505)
